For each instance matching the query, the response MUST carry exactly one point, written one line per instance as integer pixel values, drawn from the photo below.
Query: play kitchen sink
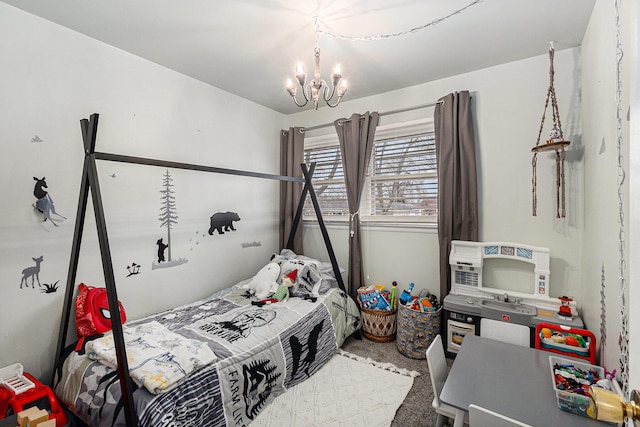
(494, 308)
(512, 307)
(513, 312)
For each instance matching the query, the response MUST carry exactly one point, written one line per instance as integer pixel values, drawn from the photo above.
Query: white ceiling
(250, 47)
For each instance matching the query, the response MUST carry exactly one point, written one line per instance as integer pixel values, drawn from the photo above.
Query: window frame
(395, 130)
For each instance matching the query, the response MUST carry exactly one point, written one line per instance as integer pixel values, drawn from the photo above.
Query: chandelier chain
(316, 20)
(391, 35)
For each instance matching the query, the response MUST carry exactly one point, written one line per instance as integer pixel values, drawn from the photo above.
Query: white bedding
(157, 357)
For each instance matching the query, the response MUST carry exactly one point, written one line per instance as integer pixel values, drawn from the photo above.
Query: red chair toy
(20, 390)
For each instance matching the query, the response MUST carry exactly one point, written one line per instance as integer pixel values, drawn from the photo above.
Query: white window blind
(328, 181)
(401, 182)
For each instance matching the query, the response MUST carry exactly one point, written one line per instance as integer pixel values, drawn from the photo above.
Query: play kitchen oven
(457, 326)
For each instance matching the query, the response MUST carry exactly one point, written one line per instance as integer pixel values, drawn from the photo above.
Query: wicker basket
(416, 331)
(379, 325)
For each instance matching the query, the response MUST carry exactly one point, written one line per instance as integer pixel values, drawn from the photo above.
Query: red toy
(572, 343)
(21, 390)
(565, 309)
(92, 311)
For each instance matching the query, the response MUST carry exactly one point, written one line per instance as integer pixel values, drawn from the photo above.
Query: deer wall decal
(32, 272)
(44, 203)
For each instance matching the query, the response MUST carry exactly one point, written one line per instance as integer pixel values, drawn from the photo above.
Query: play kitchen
(507, 313)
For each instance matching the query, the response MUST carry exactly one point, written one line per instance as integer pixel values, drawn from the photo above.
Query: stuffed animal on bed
(264, 283)
(282, 293)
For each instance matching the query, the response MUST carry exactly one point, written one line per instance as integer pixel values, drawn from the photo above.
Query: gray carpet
(416, 410)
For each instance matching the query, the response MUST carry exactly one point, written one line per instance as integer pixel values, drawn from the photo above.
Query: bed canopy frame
(89, 181)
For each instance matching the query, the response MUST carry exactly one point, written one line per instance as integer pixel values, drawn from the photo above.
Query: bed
(218, 361)
(260, 352)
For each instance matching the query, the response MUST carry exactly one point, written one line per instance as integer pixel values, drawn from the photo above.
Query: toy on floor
(19, 391)
(36, 417)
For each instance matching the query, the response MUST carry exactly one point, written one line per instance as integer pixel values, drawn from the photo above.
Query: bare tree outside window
(402, 180)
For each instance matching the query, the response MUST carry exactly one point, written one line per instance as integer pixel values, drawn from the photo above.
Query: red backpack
(92, 311)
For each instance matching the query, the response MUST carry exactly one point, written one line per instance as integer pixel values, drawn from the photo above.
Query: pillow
(307, 279)
(326, 270)
(328, 278)
(284, 256)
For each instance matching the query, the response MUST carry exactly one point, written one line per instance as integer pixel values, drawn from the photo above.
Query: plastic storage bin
(548, 344)
(571, 401)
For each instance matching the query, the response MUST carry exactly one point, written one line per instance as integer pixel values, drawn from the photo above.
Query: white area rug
(348, 391)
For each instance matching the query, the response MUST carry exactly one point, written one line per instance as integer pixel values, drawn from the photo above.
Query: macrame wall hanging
(555, 143)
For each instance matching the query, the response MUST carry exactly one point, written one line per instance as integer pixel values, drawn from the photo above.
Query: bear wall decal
(222, 220)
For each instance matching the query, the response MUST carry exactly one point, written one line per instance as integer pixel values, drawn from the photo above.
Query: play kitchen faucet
(507, 298)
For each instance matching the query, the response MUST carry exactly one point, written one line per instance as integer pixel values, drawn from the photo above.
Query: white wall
(50, 78)
(508, 102)
(634, 193)
(602, 239)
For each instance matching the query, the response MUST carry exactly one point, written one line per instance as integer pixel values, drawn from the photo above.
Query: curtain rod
(401, 110)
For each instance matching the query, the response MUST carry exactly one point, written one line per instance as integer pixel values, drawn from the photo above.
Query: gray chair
(482, 417)
(438, 370)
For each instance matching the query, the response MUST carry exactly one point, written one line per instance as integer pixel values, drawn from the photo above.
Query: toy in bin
(424, 302)
(405, 298)
(571, 382)
(19, 390)
(373, 299)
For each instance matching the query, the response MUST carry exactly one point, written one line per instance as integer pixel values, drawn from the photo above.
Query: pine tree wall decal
(168, 214)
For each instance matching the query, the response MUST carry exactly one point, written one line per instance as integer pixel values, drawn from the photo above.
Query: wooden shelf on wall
(553, 146)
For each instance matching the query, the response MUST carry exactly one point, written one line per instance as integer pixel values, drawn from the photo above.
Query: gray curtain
(457, 187)
(291, 156)
(356, 144)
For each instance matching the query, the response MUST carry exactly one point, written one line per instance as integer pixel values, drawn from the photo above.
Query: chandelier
(312, 90)
(317, 86)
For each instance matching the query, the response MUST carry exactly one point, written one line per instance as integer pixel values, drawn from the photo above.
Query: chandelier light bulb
(299, 69)
(336, 76)
(342, 88)
(291, 88)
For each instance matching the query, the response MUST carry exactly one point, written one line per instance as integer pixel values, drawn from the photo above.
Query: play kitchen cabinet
(505, 312)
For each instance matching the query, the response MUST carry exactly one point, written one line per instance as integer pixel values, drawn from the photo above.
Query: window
(401, 186)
